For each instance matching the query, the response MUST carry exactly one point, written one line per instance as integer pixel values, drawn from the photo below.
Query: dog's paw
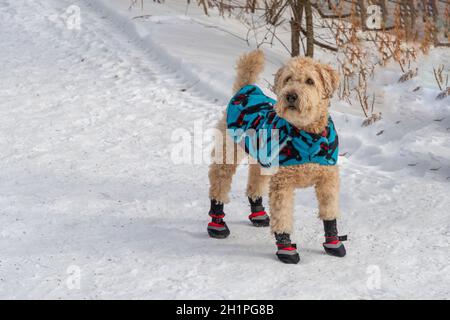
(335, 248)
(288, 253)
(218, 230)
(259, 219)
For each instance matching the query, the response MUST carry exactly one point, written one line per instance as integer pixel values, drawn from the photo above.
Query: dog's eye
(287, 79)
(310, 81)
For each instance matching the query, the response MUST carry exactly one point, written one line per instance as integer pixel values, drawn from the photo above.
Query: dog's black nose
(291, 97)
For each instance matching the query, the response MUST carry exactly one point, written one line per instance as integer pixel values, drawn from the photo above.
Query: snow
(92, 207)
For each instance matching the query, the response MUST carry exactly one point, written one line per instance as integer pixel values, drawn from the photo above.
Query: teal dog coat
(271, 140)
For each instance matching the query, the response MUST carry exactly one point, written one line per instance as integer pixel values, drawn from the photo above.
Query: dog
(303, 88)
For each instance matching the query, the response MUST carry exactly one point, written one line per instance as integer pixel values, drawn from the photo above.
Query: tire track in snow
(85, 126)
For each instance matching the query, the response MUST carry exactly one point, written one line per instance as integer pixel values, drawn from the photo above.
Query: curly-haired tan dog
(303, 88)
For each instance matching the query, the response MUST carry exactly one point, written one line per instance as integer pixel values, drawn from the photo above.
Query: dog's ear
(329, 77)
(277, 78)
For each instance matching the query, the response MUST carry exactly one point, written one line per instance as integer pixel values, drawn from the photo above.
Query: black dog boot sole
(333, 243)
(218, 231)
(287, 251)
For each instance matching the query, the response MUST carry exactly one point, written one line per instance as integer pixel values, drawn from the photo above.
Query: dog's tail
(249, 67)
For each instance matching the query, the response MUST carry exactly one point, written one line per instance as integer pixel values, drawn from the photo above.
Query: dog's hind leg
(220, 178)
(224, 166)
(257, 186)
(226, 156)
(327, 191)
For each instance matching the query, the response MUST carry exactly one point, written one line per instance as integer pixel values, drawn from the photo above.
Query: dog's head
(303, 88)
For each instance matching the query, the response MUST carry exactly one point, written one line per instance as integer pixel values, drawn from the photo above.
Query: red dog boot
(333, 243)
(287, 251)
(217, 228)
(258, 217)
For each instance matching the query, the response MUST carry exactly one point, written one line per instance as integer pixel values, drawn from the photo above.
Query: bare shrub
(442, 82)
(408, 28)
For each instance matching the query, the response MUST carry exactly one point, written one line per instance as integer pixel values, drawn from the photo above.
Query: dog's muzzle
(291, 98)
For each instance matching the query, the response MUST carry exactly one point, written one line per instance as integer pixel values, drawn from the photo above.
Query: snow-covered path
(84, 177)
(87, 187)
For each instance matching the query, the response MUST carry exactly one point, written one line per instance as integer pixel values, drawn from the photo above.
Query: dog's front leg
(281, 200)
(327, 191)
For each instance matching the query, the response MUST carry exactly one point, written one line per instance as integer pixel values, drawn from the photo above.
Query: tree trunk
(295, 38)
(309, 29)
(382, 4)
(296, 20)
(405, 18)
(430, 14)
(430, 10)
(434, 7)
(252, 5)
(413, 17)
(363, 13)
